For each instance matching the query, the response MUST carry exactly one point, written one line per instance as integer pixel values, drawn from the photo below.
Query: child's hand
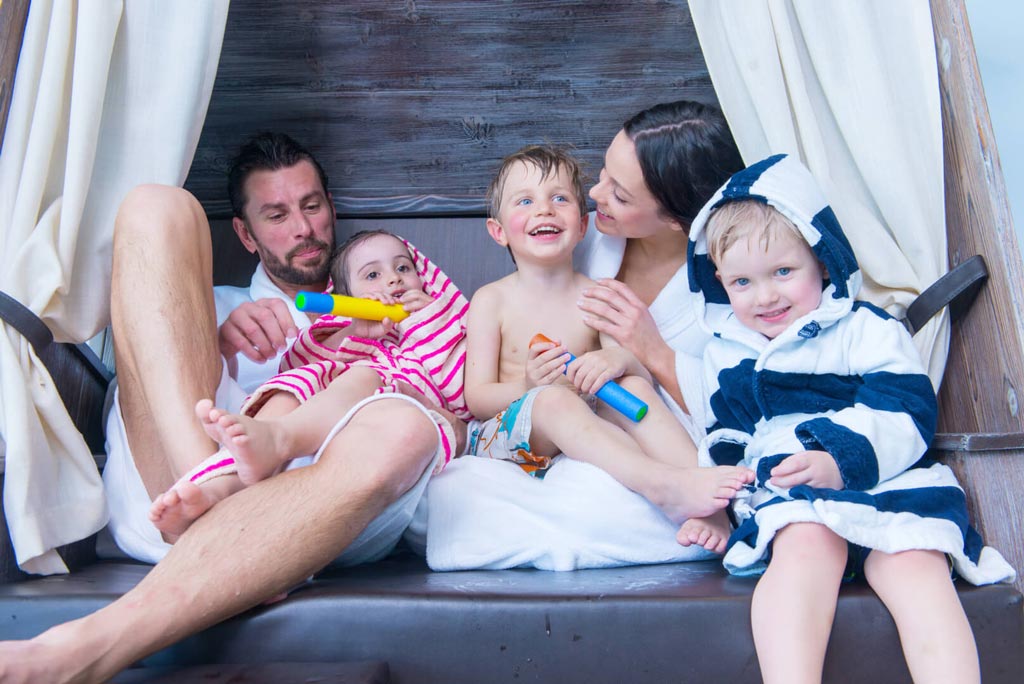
(814, 468)
(544, 363)
(370, 330)
(414, 300)
(592, 370)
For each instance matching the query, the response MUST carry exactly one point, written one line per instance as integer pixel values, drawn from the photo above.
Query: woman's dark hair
(266, 152)
(686, 152)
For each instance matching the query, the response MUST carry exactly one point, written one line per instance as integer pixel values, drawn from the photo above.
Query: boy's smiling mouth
(545, 229)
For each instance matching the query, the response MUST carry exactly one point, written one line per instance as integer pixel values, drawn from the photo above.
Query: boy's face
(539, 218)
(769, 289)
(381, 265)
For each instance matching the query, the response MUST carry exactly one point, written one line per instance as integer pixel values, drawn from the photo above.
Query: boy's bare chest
(557, 317)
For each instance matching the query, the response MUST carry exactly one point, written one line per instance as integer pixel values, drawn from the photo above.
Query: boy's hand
(544, 363)
(814, 468)
(592, 370)
(414, 300)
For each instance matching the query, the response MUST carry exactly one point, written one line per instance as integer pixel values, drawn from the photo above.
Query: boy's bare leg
(937, 639)
(165, 330)
(563, 422)
(794, 603)
(659, 434)
(273, 534)
(711, 532)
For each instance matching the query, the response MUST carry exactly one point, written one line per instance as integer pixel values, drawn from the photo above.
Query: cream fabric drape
(108, 94)
(851, 88)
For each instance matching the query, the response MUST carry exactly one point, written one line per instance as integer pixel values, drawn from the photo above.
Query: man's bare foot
(684, 493)
(258, 446)
(60, 654)
(711, 532)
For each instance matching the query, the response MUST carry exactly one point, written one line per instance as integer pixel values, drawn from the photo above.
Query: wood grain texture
(13, 15)
(410, 106)
(985, 373)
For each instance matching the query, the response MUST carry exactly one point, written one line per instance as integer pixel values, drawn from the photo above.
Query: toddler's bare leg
(917, 589)
(563, 422)
(794, 603)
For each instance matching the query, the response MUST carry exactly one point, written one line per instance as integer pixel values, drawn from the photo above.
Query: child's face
(381, 265)
(769, 289)
(539, 219)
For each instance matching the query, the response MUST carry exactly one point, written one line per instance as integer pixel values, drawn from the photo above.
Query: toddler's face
(539, 217)
(381, 265)
(771, 288)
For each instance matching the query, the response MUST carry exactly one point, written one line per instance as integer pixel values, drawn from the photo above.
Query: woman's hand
(614, 309)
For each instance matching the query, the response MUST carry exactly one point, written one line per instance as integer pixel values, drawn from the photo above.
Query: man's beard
(285, 272)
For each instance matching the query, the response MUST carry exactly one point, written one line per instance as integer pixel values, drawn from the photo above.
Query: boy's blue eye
(742, 281)
(525, 201)
(561, 198)
(784, 271)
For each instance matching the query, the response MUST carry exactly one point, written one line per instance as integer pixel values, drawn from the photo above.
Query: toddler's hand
(814, 468)
(592, 370)
(544, 363)
(414, 300)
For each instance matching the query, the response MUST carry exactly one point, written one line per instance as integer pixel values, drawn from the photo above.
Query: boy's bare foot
(257, 446)
(711, 532)
(684, 493)
(195, 493)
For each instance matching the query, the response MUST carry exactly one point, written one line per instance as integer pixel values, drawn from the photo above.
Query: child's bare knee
(556, 398)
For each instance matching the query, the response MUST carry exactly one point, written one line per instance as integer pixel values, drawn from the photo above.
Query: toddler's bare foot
(684, 493)
(711, 532)
(176, 509)
(258, 446)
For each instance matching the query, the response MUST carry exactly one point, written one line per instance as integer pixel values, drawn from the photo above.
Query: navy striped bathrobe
(845, 379)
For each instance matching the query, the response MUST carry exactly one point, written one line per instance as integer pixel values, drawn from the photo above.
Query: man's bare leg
(274, 534)
(165, 339)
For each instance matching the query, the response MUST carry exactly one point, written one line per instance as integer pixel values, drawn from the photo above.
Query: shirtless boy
(538, 212)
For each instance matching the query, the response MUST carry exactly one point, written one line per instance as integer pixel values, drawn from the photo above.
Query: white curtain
(852, 89)
(108, 94)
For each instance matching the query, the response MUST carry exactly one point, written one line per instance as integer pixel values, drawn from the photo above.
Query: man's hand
(814, 468)
(258, 330)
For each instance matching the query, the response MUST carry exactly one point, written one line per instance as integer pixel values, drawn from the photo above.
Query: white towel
(487, 514)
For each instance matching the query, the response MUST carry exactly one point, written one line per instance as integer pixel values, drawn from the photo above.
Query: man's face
(289, 223)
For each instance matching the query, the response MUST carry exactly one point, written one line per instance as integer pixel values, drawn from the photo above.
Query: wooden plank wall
(13, 15)
(410, 105)
(984, 380)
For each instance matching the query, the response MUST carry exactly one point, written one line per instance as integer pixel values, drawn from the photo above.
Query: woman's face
(625, 207)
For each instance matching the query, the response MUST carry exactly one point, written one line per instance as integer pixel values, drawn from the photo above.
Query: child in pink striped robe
(332, 366)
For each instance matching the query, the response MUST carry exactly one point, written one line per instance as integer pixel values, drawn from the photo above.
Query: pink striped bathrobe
(427, 351)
